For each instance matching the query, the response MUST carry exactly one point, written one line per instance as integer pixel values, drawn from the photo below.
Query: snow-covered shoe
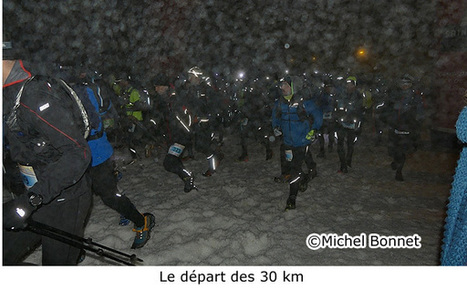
(269, 154)
(149, 150)
(123, 221)
(284, 178)
(208, 173)
(189, 183)
(144, 233)
(243, 157)
(399, 176)
(343, 168)
(118, 175)
(313, 172)
(290, 204)
(303, 186)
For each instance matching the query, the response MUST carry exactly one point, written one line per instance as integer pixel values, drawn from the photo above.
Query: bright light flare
(362, 53)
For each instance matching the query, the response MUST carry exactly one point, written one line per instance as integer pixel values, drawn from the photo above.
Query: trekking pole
(83, 243)
(146, 131)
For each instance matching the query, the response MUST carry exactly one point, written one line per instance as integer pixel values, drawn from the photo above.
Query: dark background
(144, 37)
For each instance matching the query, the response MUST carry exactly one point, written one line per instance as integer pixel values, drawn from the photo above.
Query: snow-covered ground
(237, 217)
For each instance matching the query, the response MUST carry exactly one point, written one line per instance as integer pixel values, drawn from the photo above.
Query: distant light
(287, 46)
(362, 52)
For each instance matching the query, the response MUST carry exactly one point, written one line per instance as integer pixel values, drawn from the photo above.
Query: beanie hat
(161, 80)
(287, 79)
(352, 79)
(8, 53)
(407, 79)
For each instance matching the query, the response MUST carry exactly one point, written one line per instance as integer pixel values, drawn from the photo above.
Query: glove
(277, 132)
(311, 135)
(16, 212)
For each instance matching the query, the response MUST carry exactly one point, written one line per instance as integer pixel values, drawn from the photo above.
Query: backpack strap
(12, 121)
(82, 110)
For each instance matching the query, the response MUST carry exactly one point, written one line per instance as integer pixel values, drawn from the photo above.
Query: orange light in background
(362, 53)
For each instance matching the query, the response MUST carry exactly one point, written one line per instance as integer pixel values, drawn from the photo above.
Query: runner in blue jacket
(296, 117)
(104, 183)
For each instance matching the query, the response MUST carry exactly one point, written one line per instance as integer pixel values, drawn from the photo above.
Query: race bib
(349, 125)
(28, 175)
(288, 155)
(401, 132)
(176, 149)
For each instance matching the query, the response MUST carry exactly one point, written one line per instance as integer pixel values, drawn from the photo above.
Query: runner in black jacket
(46, 128)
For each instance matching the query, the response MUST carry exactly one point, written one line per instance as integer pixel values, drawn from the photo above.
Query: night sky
(144, 37)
